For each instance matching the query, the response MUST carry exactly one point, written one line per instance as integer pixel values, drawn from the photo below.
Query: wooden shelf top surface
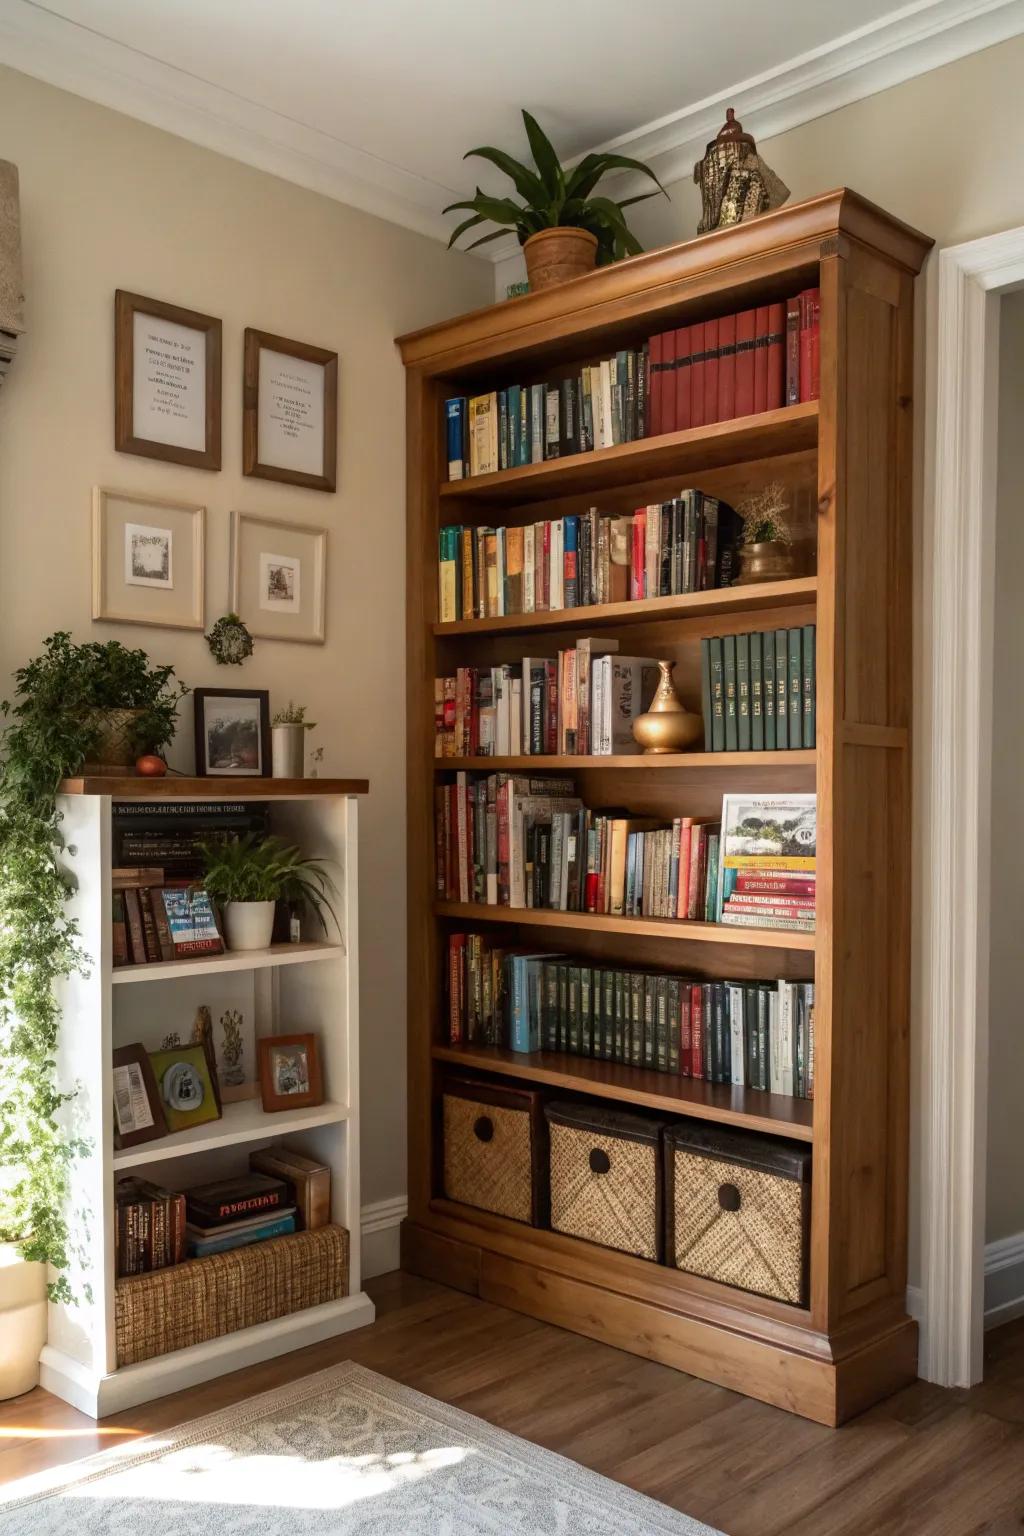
(133, 786)
(675, 762)
(797, 592)
(307, 952)
(793, 429)
(772, 1113)
(642, 927)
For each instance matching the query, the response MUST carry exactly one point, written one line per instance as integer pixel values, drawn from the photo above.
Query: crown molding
(919, 37)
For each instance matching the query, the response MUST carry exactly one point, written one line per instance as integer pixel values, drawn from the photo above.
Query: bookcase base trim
(818, 1381)
(100, 1395)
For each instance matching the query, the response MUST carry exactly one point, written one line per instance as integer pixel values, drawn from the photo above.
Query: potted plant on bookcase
(247, 876)
(60, 714)
(288, 742)
(563, 227)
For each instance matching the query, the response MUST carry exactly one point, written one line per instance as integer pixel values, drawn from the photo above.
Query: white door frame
(960, 491)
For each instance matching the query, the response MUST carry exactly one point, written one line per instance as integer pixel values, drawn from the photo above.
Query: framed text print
(278, 577)
(290, 412)
(148, 558)
(166, 382)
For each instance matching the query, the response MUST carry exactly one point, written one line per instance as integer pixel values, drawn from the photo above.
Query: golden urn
(668, 726)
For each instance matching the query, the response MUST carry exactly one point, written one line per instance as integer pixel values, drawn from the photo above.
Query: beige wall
(106, 203)
(1004, 1215)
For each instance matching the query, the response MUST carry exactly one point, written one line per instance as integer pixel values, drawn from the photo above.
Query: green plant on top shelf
(251, 868)
(294, 714)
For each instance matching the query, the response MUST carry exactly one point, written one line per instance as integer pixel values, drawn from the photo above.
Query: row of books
(156, 1227)
(159, 919)
(580, 702)
(603, 404)
(737, 365)
(694, 375)
(687, 544)
(758, 690)
(753, 1034)
(166, 835)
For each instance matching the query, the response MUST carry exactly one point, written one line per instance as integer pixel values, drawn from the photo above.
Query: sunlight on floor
(87, 1432)
(213, 1474)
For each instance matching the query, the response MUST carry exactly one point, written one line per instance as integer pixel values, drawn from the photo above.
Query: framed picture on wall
(290, 411)
(148, 556)
(232, 732)
(278, 577)
(167, 363)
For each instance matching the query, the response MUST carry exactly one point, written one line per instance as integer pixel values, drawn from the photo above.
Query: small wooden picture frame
(232, 732)
(290, 1073)
(167, 374)
(138, 1112)
(289, 411)
(148, 559)
(279, 578)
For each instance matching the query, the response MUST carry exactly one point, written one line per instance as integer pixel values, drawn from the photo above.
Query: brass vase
(769, 560)
(668, 726)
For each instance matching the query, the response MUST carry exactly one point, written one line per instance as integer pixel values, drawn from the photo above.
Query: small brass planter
(769, 561)
(668, 726)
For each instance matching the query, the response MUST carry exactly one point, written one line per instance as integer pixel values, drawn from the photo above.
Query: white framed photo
(148, 558)
(278, 578)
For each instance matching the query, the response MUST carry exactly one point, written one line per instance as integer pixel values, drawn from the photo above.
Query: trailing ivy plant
(57, 719)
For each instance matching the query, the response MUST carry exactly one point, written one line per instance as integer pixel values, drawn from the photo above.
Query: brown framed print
(290, 1073)
(289, 411)
(232, 732)
(138, 1112)
(148, 559)
(167, 367)
(279, 578)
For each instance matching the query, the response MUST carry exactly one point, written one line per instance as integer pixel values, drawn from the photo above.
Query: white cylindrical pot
(288, 751)
(22, 1321)
(249, 924)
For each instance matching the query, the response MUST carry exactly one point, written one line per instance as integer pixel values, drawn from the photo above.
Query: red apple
(151, 767)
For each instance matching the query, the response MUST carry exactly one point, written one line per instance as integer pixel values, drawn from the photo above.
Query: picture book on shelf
(768, 861)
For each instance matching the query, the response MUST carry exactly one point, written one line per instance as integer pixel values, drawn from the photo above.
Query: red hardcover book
(710, 371)
(681, 381)
(654, 427)
(696, 1030)
(696, 372)
(456, 946)
(761, 359)
(776, 356)
(726, 368)
(637, 561)
(793, 310)
(745, 325)
(794, 885)
(810, 325)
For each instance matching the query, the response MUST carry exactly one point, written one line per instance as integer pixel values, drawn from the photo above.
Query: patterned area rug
(346, 1452)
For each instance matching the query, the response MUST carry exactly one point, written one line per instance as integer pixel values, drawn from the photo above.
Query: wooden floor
(928, 1461)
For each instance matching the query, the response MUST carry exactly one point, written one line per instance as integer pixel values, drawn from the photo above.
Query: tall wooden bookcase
(849, 454)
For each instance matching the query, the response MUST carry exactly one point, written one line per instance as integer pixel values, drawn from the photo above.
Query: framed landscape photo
(167, 374)
(290, 411)
(290, 1072)
(148, 559)
(278, 578)
(232, 732)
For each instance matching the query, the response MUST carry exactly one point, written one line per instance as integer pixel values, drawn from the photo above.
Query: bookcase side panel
(864, 818)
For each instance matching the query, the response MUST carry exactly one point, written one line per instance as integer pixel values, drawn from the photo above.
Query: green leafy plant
(295, 714)
(252, 868)
(554, 198)
(57, 719)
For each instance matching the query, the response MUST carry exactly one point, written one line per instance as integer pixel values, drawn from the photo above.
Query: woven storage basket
(606, 1177)
(738, 1210)
(495, 1150)
(204, 1298)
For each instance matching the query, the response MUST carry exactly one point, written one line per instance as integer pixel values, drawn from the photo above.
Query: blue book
(191, 921)
(274, 1226)
(455, 420)
(524, 1034)
(571, 586)
(515, 425)
(538, 401)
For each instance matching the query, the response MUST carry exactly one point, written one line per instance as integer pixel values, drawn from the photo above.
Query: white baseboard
(380, 1223)
(1004, 1284)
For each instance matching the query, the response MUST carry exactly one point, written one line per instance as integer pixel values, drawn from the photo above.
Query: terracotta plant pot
(555, 256)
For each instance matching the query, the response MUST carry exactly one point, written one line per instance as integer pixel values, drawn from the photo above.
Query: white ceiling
(376, 103)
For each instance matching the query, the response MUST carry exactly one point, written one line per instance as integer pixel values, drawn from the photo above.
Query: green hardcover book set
(758, 690)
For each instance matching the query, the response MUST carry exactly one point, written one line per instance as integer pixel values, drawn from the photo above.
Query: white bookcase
(290, 988)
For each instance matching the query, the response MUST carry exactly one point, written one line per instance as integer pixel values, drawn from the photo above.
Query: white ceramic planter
(288, 751)
(248, 924)
(22, 1321)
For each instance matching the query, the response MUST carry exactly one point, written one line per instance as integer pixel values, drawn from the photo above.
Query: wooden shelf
(675, 762)
(244, 1121)
(797, 592)
(642, 927)
(135, 786)
(793, 429)
(771, 1113)
(237, 960)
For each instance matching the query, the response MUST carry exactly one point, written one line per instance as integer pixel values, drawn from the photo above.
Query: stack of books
(753, 1034)
(758, 690)
(691, 376)
(159, 919)
(687, 544)
(165, 835)
(232, 1213)
(149, 1227)
(513, 841)
(768, 861)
